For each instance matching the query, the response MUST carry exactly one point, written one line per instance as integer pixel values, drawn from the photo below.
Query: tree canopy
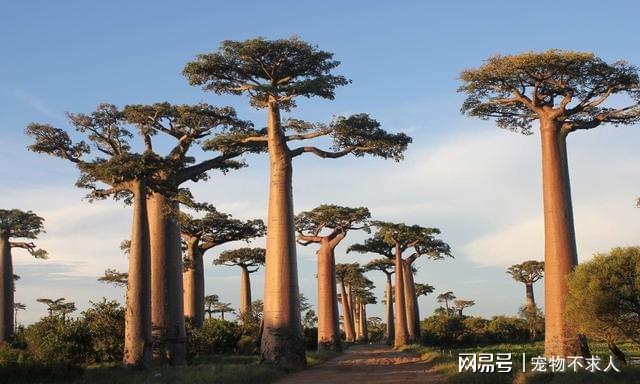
(603, 295)
(527, 272)
(243, 257)
(570, 87)
(423, 289)
(15, 223)
(385, 265)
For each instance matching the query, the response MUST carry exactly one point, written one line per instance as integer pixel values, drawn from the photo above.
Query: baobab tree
(423, 289)
(222, 308)
(528, 273)
(565, 92)
(386, 266)
(392, 240)
(210, 301)
(58, 307)
(446, 298)
(345, 274)
(362, 296)
(123, 175)
(249, 260)
(460, 305)
(114, 277)
(187, 125)
(200, 235)
(273, 73)
(335, 221)
(16, 226)
(17, 307)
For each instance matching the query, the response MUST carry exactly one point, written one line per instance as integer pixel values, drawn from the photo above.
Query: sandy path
(367, 364)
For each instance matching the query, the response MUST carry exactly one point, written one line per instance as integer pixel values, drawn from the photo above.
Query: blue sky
(479, 184)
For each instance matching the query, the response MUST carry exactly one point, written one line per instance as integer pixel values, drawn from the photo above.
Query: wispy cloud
(36, 103)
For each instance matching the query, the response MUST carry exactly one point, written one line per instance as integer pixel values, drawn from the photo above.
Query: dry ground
(367, 364)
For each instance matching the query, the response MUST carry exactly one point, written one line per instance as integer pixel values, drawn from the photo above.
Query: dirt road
(367, 364)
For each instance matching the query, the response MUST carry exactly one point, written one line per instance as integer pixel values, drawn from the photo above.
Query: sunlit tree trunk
(349, 330)
(410, 302)
(245, 291)
(531, 302)
(389, 305)
(282, 335)
(193, 281)
(6, 289)
(352, 311)
(357, 319)
(401, 331)
(167, 303)
(137, 340)
(363, 322)
(328, 329)
(560, 245)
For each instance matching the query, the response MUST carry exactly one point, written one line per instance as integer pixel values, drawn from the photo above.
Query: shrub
(311, 338)
(53, 340)
(216, 336)
(248, 345)
(105, 323)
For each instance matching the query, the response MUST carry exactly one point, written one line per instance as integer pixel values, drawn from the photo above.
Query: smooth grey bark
(6, 290)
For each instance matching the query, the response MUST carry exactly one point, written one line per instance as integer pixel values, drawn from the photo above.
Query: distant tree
(327, 225)
(566, 92)
(346, 275)
(112, 276)
(210, 301)
(460, 305)
(58, 307)
(249, 260)
(222, 308)
(603, 297)
(251, 321)
(392, 240)
(535, 319)
(386, 266)
(17, 307)
(528, 273)
(273, 73)
(446, 298)
(201, 235)
(15, 225)
(424, 289)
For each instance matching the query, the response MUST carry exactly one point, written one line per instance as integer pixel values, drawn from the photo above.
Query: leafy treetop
(215, 228)
(386, 265)
(337, 219)
(15, 223)
(423, 289)
(447, 296)
(570, 88)
(528, 272)
(242, 257)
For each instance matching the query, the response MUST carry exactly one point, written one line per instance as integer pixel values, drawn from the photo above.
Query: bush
(248, 345)
(216, 336)
(53, 340)
(105, 323)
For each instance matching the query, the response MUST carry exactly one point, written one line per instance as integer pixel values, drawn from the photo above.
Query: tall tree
(460, 305)
(386, 266)
(392, 240)
(446, 298)
(327, 225)
(200, 235)
(222, 308)
(249, 260)
(273, 73)
(565, 92)
(362, 296)
(127, 176)
(528, 273)
(187, 125)
(15, 227)
(345, 274)
(58, 307)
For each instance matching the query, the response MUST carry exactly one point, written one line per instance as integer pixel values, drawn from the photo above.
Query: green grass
(224, 369)
(445, 363)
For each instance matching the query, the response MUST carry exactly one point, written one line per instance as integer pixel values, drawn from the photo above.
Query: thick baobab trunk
(352, 311)
(363, 322)
(460, 312)
(390, 319)
(349, 330)
(531, 302)
(193, 282)
(245, 292)
(410, 302)
(356, 319)
(6, 289)
(137, 339)
(401, 330)
(167, 306)
(560, 253)
(282, 336)
(328, 329)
